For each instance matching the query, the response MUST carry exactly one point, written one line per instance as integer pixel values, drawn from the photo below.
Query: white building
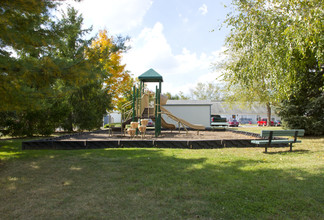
(225, 110)
(114, 117)
(197, 114)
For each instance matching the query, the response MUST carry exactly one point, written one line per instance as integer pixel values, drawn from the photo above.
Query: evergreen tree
(305, 107)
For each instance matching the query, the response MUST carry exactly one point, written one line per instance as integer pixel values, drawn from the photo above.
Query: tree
(97, 62)
(107, 53)
(30, 69)
(71, 50)
(24, 29)
(208, 91)
(76, 100)
(265, 46)
(179, 96)
(305, 108)
(89, 104)
(27, 69)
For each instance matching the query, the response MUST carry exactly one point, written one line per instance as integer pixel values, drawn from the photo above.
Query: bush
(27, 123)
(307, 115)
(311, 125)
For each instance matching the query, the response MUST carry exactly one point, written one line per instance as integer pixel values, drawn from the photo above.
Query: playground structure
(145, 106)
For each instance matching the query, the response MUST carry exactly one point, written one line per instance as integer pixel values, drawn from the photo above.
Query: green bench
(271, 134)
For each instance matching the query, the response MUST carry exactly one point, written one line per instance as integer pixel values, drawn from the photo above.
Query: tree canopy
(270, 42)
(51, 74)
(25, 37)
(206, 91)
(107, 51)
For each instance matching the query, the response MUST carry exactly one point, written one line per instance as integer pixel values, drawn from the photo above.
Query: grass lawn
(230, 183)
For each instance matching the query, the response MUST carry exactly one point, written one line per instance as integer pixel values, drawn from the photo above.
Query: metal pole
(155, 112)
(134, 98)
(159, 111)
(137, 103)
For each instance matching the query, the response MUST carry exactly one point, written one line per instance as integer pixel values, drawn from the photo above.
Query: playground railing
(126, 114)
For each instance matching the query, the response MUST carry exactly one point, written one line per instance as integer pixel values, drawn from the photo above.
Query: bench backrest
(266, 133)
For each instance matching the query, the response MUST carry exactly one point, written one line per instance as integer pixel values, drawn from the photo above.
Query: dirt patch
(165, 135)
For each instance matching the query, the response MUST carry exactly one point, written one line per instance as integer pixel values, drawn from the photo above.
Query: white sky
(174, 37)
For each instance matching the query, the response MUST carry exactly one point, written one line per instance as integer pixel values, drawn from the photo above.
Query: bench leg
(266, 149)
(290, 147)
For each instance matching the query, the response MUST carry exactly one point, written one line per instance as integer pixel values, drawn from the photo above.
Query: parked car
(217, 118)
(150, 123)
(264, 122)
(245, 121)
(233, 123)
(277, 123)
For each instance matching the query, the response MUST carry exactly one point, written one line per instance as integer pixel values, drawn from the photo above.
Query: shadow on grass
(286, 152)
(154, 184)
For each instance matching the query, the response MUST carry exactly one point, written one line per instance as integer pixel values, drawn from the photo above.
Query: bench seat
(274, 141)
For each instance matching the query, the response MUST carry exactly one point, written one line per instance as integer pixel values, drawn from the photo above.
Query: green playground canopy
(150, 76)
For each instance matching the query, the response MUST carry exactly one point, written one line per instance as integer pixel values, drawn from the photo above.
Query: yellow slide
(166, 125)
(175, 118)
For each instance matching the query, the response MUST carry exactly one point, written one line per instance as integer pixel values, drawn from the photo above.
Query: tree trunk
(70, 123)
(268, 114)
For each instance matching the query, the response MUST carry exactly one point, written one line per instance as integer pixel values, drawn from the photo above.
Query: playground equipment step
(148, 112)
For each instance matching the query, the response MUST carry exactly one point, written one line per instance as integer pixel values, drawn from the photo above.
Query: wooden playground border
(58, 144)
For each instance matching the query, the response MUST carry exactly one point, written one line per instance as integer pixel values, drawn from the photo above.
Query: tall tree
(86, 100)
(27, 69)
(107, 53)
(24, 30)
(264, 44)
(206, 91)
(75, 97)
(305, 107)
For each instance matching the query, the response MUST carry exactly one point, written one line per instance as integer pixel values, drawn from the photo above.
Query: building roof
(151, 76)
(222, 108)
(188, 102)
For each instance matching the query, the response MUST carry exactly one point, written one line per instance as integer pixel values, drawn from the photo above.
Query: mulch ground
(165, 135)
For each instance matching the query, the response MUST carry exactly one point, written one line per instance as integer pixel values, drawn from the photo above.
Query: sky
(180, 39)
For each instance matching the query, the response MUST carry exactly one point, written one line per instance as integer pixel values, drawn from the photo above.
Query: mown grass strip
(163, 183)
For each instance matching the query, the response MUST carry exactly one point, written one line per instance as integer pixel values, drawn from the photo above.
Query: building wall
(225, 110)
(194, 114)
(114, 117)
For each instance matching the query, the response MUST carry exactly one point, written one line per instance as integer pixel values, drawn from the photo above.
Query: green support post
(138, 107)
(134, 98)
(137, 102)
(159, 110)
(156, 112)
(140, 99)
(160, 86)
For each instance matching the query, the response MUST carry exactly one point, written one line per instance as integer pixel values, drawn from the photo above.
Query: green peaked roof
(151, 76)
